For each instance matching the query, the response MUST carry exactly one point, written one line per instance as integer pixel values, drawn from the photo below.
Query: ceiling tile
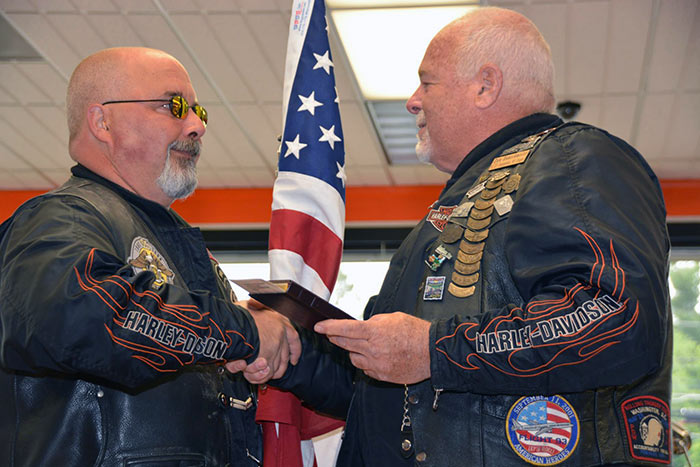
(18, 85)
(617, 115)
(96, 6)
(180, 6)
(10, 161)
(629, 27)
(231, 137)
(551, 21)
(228, 177)
(53, 119)
(654, 124)
(258, 127)
(115, 30)
(403, 174)
(258, 178)
(690, 78)
(77, 31)
(367, 176)
(208, 50)
(273, 112)
(683, 138)
(157, 34)
(17, 6)
(23, 148)
(58, 177)
(9, 181)
(260, 5)
(590, 109)
(44, 141)
(209, 177)
(214, 153)
(362, 146)
(245, 53)
(32, 180)
(587, 47)
(135, 6)
(46, 40)
(54, 5)
(429, 175)
(48, 80)
(6, 97)
(271, 31)
(673, 28)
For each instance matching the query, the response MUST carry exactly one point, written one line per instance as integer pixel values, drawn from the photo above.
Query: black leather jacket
(547, 292)
(112, 312)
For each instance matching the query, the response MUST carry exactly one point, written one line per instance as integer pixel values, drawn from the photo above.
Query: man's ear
(490, 78)
(97, 123)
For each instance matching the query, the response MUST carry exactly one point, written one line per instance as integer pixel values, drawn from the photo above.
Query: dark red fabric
(295, 423)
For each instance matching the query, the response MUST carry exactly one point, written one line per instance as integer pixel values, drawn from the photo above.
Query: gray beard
(423, 151)
(179, 177)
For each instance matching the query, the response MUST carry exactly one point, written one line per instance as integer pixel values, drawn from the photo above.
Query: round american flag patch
(542, 430)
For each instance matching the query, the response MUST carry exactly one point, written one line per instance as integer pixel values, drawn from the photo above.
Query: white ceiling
(633, 64)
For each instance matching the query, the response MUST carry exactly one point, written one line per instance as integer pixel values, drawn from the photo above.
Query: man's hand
(279, 345)
(388, 347)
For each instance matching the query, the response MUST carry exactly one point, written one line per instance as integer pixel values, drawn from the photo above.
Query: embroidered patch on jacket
(434, 286)
(542, 430)
(145, 257)
(648, 428)
(438, 217)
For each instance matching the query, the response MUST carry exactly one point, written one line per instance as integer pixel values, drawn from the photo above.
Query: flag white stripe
(284, 261)
(299, 192)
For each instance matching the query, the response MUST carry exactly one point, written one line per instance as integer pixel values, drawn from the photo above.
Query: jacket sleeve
(70, 304)
(323, 378)
(587, 248)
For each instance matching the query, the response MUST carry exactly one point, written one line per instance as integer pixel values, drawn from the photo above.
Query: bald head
(513, 43)
(102, 76)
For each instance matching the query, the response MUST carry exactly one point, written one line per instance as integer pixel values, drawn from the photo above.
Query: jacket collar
(515, 131)
(152, 210)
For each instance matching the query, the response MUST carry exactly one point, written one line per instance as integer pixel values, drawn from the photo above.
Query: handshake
(279, 345)
(389, 347)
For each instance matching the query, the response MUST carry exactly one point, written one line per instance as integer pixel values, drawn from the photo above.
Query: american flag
(308, 211)
(543, 428)
(308, 207)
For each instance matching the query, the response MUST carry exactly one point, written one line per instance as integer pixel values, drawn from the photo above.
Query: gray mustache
(193, 148)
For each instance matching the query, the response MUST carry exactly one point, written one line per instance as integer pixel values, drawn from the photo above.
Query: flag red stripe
(312, 240)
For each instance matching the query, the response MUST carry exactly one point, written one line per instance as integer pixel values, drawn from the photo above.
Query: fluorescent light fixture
(386, 45)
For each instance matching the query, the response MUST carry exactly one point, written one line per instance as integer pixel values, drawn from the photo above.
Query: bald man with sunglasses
(115, 320)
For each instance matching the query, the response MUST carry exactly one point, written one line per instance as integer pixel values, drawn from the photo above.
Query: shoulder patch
(145, 257)
(438, 217)
(543, 430)
(647, 421)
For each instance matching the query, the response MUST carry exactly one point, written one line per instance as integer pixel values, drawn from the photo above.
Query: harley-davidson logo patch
(438, 217)
(145, 257)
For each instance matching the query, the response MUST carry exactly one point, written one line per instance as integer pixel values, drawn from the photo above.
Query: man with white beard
(526, 318)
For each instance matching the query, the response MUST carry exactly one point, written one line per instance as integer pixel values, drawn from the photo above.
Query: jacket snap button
(100, 393)
(413, 399)
(221, 370)
(406, 444)
(421, 456)
(223, 399)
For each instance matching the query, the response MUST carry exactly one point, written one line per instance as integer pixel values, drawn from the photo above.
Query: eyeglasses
(178, 107)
